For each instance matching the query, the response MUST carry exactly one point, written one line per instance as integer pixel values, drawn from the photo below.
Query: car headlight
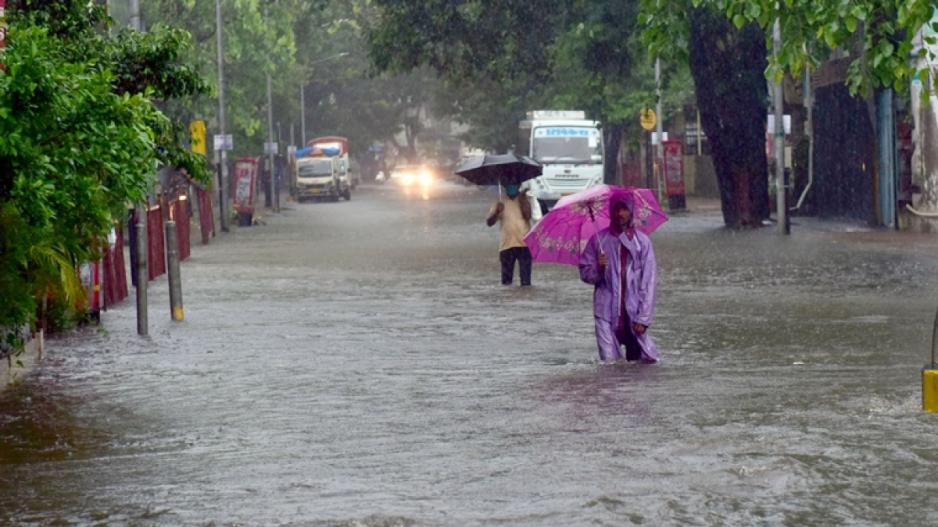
(425, 179)
(407, 179)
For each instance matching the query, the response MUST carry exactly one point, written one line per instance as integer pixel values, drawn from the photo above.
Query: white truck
(570, 148)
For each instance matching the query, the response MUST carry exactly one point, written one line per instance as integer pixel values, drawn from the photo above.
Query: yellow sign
(648, 119)
(197, 133)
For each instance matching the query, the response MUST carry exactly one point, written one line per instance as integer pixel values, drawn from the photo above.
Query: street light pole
(781, 201)
(303, 113)
(270, 136)
(140, 215)
(303, 94)
(223, 154)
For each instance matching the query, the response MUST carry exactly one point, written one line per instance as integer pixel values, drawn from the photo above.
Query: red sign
(673, 168)
(243, 184)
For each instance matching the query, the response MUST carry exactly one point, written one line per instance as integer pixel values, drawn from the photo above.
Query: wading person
(620, 263)
(513, 213)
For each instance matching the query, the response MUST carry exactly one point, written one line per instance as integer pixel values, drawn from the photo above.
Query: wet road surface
(357, 364)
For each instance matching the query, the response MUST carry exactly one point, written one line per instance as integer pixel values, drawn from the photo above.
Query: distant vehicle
(413, 176)
(318, 177)
(570, 148)
(337, 148)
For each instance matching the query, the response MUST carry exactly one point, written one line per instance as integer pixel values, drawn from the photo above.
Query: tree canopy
(80, 138)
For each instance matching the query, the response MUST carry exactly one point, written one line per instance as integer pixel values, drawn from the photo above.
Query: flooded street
(358, 364)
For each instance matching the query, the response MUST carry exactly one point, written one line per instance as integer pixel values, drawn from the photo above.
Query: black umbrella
(504, 169)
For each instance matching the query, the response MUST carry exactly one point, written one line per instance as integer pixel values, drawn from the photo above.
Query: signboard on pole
(673, 169)
(224, 142)
(648, 119)
(270, 148)
(196, 136)
(243, 184)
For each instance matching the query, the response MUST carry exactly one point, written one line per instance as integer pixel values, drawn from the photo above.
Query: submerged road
(358, 364)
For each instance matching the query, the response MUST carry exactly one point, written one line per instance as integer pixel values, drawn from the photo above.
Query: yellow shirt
(512, 223)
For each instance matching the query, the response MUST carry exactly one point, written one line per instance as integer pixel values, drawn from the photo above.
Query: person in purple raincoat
(620, 262)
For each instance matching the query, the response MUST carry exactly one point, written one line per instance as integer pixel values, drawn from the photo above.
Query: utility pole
(303, 114)
(781, 198)
(223, 162)
(659, 148)
(140, 214)
(270, 134)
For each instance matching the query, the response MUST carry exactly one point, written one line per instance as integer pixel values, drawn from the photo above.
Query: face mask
(511, 190)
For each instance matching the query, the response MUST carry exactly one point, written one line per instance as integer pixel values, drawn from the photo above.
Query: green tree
(576, 53)
(81, 137)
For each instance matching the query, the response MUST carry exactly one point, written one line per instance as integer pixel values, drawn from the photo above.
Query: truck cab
(570, 149)
(336, 149)
(317, 177)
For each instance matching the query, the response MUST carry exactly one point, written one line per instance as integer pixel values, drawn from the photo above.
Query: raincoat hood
(620, 200)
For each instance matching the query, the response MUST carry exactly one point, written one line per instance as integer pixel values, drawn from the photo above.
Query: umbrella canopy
(504, 169)
(562, 234)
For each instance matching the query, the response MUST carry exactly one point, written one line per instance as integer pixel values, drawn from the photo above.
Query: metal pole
(781, 201)
(270, 136)
(303, 114)
(886, 136)
(659, 148)
(173, 274)
(809, 133)
(140, 213)
(699, 138)
(223, 168)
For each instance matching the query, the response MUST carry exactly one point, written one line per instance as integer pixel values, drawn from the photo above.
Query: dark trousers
(508, 257)
(633, 350)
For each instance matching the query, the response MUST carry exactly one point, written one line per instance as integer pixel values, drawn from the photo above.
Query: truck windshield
(567, 145)
(315, 170)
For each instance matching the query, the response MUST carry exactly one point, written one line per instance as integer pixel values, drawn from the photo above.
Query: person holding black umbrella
(513, 209)
(513, 212)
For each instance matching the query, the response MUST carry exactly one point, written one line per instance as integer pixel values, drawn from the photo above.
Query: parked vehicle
(335, 147)
(318, 177)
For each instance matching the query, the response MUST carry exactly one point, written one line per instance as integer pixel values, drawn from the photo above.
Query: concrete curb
(15, 368)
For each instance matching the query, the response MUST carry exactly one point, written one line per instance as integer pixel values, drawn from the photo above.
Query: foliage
(878, 34)
(72, 153)
(80, 137)
(499, 63)
(253, 47)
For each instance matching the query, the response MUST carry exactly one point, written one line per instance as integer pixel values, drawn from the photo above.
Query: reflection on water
(38, 424)
(359, 364)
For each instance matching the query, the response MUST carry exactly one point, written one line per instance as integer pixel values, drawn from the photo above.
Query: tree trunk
(613, 141)
(728, 66)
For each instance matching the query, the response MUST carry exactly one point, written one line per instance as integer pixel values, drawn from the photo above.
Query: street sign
(648, 119)
(270, 148)
(224, 142)
(197, 136)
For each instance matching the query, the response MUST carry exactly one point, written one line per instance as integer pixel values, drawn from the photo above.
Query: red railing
(182, 218)
(115, 274)
(156, 249)
(206, 216)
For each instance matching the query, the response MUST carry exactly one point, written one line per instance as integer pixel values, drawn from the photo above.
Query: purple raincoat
(641, 281)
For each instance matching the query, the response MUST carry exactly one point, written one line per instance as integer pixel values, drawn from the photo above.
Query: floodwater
(358, 364)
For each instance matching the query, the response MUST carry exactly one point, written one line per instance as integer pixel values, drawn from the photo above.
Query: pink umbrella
(562, 234)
